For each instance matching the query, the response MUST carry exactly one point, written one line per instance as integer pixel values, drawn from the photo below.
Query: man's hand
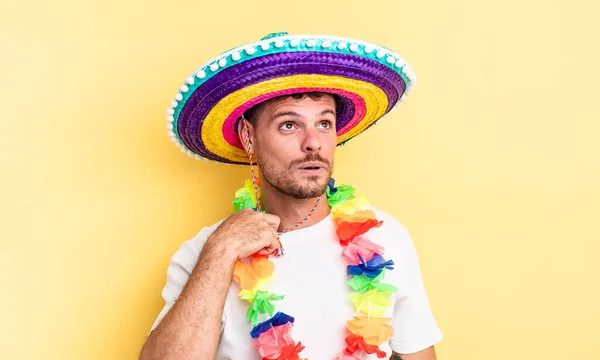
(245, 233)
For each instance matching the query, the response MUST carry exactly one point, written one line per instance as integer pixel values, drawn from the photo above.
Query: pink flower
(273, 341)
(344, 356)
(363, 247)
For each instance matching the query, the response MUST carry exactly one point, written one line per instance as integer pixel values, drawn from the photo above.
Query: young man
(307, 257)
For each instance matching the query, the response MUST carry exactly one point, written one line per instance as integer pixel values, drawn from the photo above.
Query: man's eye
(287, 126)
(325, 124)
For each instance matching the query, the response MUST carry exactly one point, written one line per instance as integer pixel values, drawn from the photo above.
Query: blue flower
(277, 319)
(332, 188)
(371, 268)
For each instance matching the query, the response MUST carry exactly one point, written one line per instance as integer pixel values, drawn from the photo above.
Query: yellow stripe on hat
(376, 103)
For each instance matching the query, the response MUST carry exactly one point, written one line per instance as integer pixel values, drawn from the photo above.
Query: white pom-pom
(190, 80)
(170, 126)
(214, 67)
(201, 74)
(190, 153)
(353, 47)
(390, 60)
(369, 49)
(236, 56)
(170, 118)
(342, 45)
(170, 111)
(326, 44)
(399, 63)
(294, 42)
(184, 88)
(179, 97)
(311, 43)
(174, 104)
(183, 149)
(222, 62)
(170, 133)
(409, 74)
(198, 157)
(380, 54)
(279, 43)
(265, 46)
(250, 50)
(205, 159)
(177, 143)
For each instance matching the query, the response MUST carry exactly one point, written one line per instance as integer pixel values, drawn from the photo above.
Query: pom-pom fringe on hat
(368, 79)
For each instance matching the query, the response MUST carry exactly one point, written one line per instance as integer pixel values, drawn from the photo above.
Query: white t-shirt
(312, 277)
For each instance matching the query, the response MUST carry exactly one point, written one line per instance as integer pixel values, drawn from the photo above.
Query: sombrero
(369, 80)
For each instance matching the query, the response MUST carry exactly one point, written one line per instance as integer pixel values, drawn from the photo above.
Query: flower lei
(366, 266)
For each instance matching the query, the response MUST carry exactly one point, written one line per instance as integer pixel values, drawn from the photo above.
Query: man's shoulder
(190, 250)
(389, 221)
(197, 242)
(392, 233)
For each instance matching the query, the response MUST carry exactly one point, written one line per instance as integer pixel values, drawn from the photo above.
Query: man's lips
(313, 166)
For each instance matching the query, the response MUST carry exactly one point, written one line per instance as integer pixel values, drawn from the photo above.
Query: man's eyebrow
(295, 114)
(285, 113)
(327, 112)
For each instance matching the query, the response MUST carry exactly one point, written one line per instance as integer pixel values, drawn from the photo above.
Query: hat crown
(275, 34)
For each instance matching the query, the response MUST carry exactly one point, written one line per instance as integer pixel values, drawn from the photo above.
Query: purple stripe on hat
(277, 65)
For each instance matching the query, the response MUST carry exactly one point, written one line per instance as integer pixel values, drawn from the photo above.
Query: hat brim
(368, 80)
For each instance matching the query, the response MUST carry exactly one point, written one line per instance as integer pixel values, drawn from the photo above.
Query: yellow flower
(371, 303)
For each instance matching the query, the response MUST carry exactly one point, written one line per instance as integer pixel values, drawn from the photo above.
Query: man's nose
(312, 141)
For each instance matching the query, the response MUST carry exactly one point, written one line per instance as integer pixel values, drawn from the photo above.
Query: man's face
(294, 144)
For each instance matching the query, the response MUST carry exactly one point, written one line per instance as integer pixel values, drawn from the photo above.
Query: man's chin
(312, 186)
(302, 186)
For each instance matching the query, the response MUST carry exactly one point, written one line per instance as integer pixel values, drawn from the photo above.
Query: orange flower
(374, 330)
(248, 274)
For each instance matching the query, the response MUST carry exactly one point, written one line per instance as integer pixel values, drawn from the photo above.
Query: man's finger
(272, 220)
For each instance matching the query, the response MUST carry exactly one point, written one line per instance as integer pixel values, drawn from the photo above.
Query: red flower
(346, 231)
(291, 351)
(357, 342)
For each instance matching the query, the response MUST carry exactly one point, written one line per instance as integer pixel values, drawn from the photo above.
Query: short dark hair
(252, 114)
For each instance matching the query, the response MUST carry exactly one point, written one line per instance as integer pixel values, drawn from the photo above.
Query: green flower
(343, 193)
(245, 197)
(363, 284)
(261, 304)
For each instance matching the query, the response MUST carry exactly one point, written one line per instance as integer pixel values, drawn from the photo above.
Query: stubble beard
(287, 184)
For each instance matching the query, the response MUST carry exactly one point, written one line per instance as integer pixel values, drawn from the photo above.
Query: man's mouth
(312, 166)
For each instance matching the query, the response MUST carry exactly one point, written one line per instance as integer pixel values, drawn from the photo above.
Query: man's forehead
(325, 100)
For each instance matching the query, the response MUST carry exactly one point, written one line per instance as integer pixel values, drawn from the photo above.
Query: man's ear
(245, 133)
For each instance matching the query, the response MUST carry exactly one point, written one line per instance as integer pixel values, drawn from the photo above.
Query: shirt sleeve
(414, 326)
(181, 266)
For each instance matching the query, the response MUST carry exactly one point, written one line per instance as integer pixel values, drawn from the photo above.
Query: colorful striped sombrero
(368, 79)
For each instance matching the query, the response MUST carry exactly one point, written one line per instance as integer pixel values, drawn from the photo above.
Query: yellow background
(492, 164)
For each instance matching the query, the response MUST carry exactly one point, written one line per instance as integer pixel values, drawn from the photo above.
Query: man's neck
(292, 211)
